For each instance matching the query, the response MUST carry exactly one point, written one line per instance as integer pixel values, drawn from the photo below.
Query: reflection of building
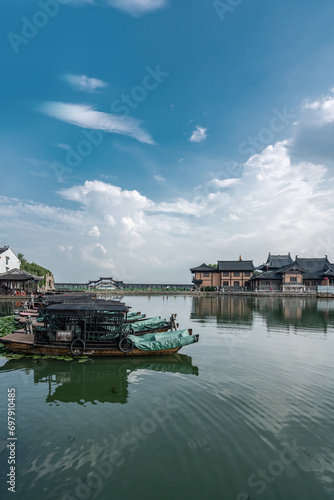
(281, 273)
(226, 309)
(228, 274)
(299, 314)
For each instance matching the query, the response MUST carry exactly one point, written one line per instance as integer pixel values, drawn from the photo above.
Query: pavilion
(18, 282)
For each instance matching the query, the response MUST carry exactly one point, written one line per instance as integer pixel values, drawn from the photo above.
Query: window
(7, 261)
(293, 278)
(247, 274)
(225, 283)
(226, 274)
(236, 283)
(205, 275)
(236, 274)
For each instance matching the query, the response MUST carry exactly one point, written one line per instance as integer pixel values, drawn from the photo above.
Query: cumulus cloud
(313, 134)
(198, 135)
(84, 83)
(277, 204)
(225, 183)
(322, 109)
(86, 116)
(94, 231)
(279, 200)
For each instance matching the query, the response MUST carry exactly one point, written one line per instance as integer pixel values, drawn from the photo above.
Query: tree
(33, 268)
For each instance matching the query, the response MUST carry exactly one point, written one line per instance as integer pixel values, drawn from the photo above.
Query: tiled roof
(270, 275)
(235, 265)
(277, 261)
(313, 264)
(203, 268)
(3, 249)
(18, 275)
(312, 269)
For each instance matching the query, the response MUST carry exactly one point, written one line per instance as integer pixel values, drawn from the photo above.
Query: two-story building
(227, 275)
(302, 274)
(8, 260)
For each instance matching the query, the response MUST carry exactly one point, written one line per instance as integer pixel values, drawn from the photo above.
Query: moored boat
(94, 328)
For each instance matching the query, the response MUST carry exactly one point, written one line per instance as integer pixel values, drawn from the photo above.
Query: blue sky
(142, 137)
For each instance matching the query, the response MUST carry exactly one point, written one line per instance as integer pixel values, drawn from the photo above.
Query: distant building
(229, 274)
(302, 274)
(8, 260)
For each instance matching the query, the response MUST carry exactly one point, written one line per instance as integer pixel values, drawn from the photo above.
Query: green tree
(33, 268)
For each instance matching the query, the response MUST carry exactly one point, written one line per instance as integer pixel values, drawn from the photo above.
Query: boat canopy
(94, 306)
(163, 340)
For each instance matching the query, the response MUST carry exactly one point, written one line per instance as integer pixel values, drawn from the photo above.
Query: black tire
(77, 347)
(126, 345)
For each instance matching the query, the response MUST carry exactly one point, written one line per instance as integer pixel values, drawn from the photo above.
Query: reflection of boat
(94, 328)
(96, 380)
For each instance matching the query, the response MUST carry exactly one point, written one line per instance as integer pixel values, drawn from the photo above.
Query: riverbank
(188, 293)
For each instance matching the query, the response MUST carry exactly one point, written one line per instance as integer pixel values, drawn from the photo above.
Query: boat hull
(21, 343)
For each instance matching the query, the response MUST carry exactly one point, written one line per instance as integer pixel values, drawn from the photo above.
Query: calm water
(247, 413)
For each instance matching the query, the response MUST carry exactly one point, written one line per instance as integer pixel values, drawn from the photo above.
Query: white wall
(8, 261)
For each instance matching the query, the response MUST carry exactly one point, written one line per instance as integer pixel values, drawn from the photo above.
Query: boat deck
(19, 336)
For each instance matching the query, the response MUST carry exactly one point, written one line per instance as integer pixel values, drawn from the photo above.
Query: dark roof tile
(235, 265)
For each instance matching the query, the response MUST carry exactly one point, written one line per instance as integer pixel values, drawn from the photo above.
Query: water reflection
(96, 380)
(227, 309)
(299, 313)
(9, 307)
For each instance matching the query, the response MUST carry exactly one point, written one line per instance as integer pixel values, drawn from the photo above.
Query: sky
(140, 138)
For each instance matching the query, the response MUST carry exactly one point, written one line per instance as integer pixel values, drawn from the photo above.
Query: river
(245, 414)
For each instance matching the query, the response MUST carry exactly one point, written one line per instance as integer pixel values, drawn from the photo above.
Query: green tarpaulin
(149, 324)
(163, 340)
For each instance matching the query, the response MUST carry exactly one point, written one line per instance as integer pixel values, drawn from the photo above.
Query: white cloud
(159, 178)
(136, 7)
(84, 83)
(225, 183)
(198, 135)
(94, 231)
(101, 247)
(85, 116)
(133, 7)
(322, 110)
(277, 203)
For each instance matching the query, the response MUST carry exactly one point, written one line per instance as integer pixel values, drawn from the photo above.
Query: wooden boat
(93, 329)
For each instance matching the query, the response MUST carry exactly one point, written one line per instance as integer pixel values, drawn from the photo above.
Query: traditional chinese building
(302, 274)
(228, 274)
